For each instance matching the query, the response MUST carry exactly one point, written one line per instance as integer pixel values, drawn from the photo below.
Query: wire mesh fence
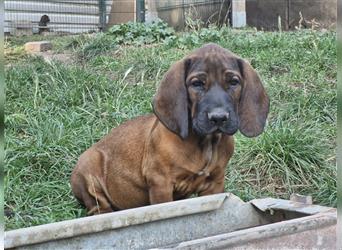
(27, 17)
(181, 13)
(24, 17)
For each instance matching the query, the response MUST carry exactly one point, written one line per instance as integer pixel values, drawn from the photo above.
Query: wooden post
(151, 13)
(122, 11)
(238, 13)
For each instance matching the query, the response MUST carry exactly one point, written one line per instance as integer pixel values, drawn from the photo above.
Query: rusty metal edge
(233, 239)
(288, 205)
(103, 222)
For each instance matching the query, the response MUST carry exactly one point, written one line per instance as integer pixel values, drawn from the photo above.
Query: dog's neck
(209, 140)
(208, 146)
(205, 146)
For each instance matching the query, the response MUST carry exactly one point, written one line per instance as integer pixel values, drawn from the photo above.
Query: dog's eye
(234, 81)
(198, 84)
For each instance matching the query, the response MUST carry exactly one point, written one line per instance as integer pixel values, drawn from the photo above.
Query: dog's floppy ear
(170, 103)
(254, 102)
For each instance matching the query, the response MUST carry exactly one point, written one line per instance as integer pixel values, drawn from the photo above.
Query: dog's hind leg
(88, 185)
(96, 197)
(88, 192)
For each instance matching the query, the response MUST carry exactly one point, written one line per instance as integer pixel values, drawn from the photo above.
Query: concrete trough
(209, 222)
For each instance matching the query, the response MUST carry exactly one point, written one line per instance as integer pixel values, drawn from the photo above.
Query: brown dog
(184, 147)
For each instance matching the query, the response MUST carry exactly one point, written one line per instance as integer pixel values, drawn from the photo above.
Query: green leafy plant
(140, 33)
(131, 33)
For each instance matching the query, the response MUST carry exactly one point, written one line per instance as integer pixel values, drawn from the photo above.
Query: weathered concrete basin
(209, 222)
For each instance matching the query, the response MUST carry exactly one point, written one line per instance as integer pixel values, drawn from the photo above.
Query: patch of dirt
(278, 69)
(8, 212)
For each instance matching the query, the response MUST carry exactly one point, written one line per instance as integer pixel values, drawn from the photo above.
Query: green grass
(54, 112)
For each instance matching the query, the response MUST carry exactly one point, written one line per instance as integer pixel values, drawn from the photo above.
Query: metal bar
(88, 2)
(242, 238)
(214, 221)
(287, 15)
(187, 5)
(280, 204)
(110, 221)
(140, 10)
(102, 15)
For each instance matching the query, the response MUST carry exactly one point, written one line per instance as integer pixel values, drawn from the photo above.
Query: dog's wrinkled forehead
(213, 58)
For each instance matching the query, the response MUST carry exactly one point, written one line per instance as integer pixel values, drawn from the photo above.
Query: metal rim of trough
(103, 222)
(318, 216)
(232, 239)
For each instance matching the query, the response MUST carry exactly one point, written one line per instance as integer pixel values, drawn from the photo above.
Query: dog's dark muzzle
(216, 113)
(218, 117)
(216, 120)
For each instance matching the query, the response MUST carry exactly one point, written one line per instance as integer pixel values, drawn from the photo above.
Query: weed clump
(140, 33)
(131, 33)
(286, 158)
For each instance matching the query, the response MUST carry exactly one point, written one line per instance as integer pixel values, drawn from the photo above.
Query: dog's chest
(197, 176)
(190, 184)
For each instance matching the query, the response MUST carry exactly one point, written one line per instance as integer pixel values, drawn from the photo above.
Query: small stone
(38, 46)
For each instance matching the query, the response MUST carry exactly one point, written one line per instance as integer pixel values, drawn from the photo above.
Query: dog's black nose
(218, 117)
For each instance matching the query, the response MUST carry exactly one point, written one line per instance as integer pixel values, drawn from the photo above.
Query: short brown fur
(159, 157)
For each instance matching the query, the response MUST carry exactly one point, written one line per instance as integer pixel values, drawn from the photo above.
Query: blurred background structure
(291, 13)
(25, 17)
